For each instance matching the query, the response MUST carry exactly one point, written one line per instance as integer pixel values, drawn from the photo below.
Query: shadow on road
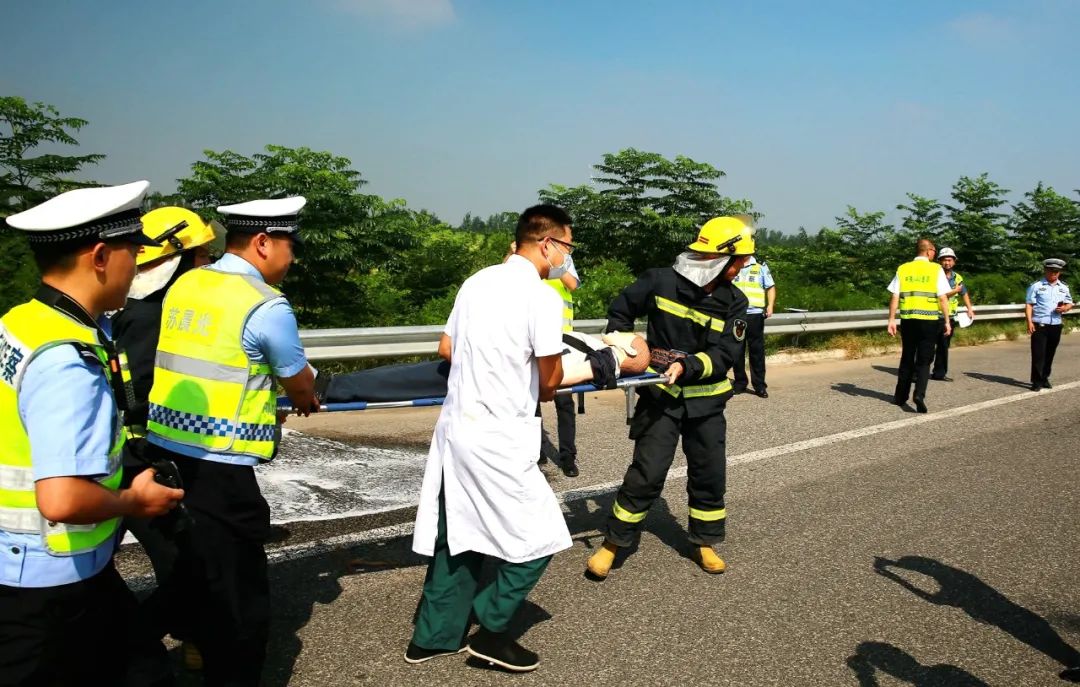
(871, 657)
(997, 379)
(885, 368)
(980, 601)
(852, 390)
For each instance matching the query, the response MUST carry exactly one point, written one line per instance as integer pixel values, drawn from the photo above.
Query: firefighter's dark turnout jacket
(707, 328)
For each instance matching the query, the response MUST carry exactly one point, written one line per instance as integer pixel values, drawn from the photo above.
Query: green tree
(347, 234)
(866, 242)
(923, 218)
(1046, 224)
(646, 208)
(29, 177)
(975, 226)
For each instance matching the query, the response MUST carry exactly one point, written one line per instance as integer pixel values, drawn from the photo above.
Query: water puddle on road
(314, 478)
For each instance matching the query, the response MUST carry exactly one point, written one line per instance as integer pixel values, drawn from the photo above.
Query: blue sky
(470, 105)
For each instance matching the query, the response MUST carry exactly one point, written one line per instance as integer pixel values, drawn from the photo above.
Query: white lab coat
(484, 449)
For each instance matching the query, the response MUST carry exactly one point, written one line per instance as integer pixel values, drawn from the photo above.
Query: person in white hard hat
(957, 288)
(66, 615)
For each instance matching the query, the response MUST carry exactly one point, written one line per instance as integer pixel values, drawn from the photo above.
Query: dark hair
(237, 240)
(60, 256)
(540, 221)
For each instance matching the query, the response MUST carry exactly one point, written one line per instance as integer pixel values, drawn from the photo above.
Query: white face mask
(698, 270)
(556, 272)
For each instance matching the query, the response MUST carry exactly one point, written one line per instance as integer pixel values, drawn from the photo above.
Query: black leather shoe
(542, 460)
(1048, 385)
(899, 401)
(569, 468)
(736, 390)
(920, 407)
(942, 379)
(1036, 387)
(416, 654)
(763, 393)
(497, 648)
(1071, 674)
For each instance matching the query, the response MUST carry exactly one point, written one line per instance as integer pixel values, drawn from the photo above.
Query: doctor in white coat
(483, 494)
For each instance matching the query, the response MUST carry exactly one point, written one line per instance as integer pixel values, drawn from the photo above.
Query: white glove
(623, 341)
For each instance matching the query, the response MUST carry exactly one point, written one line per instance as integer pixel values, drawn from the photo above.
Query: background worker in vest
(696, 325)
(483, 498)
(957, 288)
(226, 337)
(1046, 301)
(756, 282)
(564, 279)
(185, 243)
(66, 616)
(920, 294)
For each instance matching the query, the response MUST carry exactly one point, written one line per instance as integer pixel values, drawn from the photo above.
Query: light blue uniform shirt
(270, 336)
(766, 282)
(1044, 297)
(67, 408)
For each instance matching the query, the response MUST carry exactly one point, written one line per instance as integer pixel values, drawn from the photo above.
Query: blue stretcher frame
(627, 384)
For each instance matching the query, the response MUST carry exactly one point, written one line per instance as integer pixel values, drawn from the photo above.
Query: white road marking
(313, 548)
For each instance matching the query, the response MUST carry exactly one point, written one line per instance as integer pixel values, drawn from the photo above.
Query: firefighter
(696, 323)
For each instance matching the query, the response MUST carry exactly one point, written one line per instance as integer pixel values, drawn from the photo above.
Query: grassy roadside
(857, 344)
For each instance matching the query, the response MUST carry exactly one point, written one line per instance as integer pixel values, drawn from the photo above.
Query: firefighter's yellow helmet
(730, 235)
(176, 229)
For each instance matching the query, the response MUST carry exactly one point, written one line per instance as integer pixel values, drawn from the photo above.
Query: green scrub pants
(450, 589)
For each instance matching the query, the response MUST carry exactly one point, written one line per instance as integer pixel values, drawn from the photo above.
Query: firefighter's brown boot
(192, 658)
(708, 560)
(599, 564)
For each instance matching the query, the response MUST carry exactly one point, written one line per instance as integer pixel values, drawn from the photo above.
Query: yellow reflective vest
(954, 301)
(25, 332)
(918, 290)
(749, 282)
(568, 303)
(207, 393)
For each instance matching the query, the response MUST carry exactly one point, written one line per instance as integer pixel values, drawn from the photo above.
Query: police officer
(920, 293)
(186, 241)
(957, 288)
(1046, 301)
(696, 321)
(226, 336)
(66, 616)
(564, 279)
(756, 282)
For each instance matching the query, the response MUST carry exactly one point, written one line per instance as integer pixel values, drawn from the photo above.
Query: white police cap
(107, 213)
(278, 216)
(1054, 264)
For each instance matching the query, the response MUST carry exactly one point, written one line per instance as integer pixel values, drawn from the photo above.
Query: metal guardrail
(396, 342)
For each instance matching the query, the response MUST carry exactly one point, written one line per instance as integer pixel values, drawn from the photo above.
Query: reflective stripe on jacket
(954, 301)
(207, 393)
(918, 281)
(25, 332)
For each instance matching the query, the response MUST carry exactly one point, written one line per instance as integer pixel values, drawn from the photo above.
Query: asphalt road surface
(867, 545)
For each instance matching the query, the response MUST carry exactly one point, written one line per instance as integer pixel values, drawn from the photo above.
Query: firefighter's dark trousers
(656, 429)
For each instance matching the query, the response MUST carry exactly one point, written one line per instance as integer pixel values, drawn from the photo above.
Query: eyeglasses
(570, 248)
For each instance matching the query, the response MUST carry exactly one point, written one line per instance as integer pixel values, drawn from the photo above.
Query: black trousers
(1044, 343)
(84, 633)
(656, 429)
(221, 577)
(918, 339)
(941, 353)
(755, 344)
(565, 412)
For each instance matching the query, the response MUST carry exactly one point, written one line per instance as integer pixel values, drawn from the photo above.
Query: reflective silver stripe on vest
(193, 367)
(22, 520)
(922, 294)
(260, 383)
(16, 479)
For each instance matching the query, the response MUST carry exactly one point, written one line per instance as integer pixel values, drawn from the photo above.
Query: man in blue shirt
(226, 336)
(1047, 300)
(66, 616)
